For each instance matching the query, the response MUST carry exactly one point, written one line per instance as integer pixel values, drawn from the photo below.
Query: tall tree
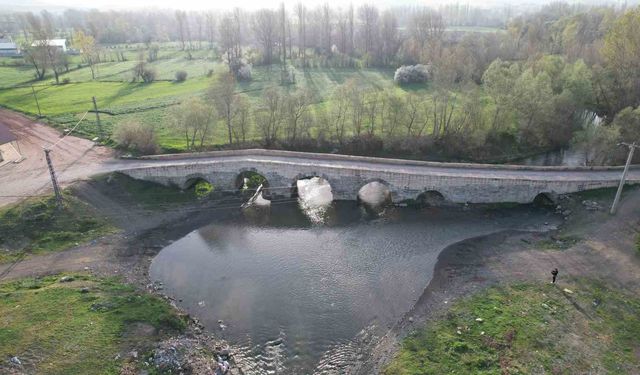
(86, 44)
(181, 18)
(210, 28)
(301, 11)
(427, 30)
(621, 51)
(222, 91)
(369, 16)
(194, 119)
(265, 28)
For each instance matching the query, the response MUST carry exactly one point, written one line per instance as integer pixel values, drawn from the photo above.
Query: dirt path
(72, 158)
(607, 252)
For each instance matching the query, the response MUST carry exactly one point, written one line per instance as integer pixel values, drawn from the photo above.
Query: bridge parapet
(459, 183)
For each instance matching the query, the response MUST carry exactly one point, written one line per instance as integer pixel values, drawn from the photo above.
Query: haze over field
(53, 5)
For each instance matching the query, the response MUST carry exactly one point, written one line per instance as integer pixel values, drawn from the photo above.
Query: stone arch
(378, 191)
(544, 199)
(431, 198)
(255, 179)
(193, 179)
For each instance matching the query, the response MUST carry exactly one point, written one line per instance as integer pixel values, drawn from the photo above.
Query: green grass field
(123, 100)
(55, 328)
(35, 226)
(529, 329)
(63, 105)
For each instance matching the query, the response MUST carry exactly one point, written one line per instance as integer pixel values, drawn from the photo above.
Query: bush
(181, 76)
(203, 189)
(148, 75)
(411, 74)
(136, 137)
(244, 72)
(66, 80)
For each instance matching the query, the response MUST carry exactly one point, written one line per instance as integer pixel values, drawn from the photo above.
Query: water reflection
(296, 296)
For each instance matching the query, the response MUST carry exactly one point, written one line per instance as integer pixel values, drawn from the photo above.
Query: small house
(8, 48)
(8, 146)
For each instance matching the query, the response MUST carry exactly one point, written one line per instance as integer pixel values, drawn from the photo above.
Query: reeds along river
(299, 292)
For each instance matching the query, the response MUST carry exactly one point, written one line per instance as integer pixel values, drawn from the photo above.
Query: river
(298, 295)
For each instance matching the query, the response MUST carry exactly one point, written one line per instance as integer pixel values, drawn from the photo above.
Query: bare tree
(231, 40)
(193, 118)
(296, 108)
(369, 16)
(36, 46)
(222, 92)
(241, 117)
(181, 18)
(210, 28)
(265, 27)
(301, 11)
(389, 37)
(269, 116)
(339, 112)
(427, 29)
(351, 40)
(326, 29)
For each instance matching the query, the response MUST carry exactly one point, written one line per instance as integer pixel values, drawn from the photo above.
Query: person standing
(554, 274)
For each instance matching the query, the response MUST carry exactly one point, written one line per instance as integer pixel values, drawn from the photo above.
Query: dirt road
(73, 158)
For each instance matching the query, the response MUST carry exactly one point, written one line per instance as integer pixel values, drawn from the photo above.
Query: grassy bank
(58, 327)
(36, 226)
(149, 195)
(529, 328)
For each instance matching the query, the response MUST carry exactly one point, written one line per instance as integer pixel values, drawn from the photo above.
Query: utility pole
(632, 147)
(36, 98)
(95, 109)
(54, 180)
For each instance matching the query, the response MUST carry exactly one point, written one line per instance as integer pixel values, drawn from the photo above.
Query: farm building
(59, 43)
(8, 48)
(8, 146)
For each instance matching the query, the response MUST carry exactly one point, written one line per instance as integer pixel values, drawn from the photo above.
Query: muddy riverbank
(603, 248)
(591, 243)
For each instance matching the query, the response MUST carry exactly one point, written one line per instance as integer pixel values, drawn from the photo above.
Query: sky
(59, 5)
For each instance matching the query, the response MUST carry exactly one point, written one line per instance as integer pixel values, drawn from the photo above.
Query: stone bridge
(405, 179)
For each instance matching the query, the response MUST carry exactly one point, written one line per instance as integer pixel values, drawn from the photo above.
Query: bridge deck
(400, 166)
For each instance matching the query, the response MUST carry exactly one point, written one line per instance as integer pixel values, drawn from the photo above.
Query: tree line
(563, 74)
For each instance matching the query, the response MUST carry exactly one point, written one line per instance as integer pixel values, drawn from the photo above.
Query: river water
(298, 295)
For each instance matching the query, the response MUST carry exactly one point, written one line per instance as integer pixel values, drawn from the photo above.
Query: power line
(69, 132)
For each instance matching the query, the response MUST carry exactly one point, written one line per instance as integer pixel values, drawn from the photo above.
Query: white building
(59, 43)
(8, 48)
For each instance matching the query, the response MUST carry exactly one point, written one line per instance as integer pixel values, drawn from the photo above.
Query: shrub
(411, 74)
(203, 189)
(148, 75)
(210, 73)
(181, 76)
(66, 80)
(136, 137)
(244, 73)
(242, 69)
